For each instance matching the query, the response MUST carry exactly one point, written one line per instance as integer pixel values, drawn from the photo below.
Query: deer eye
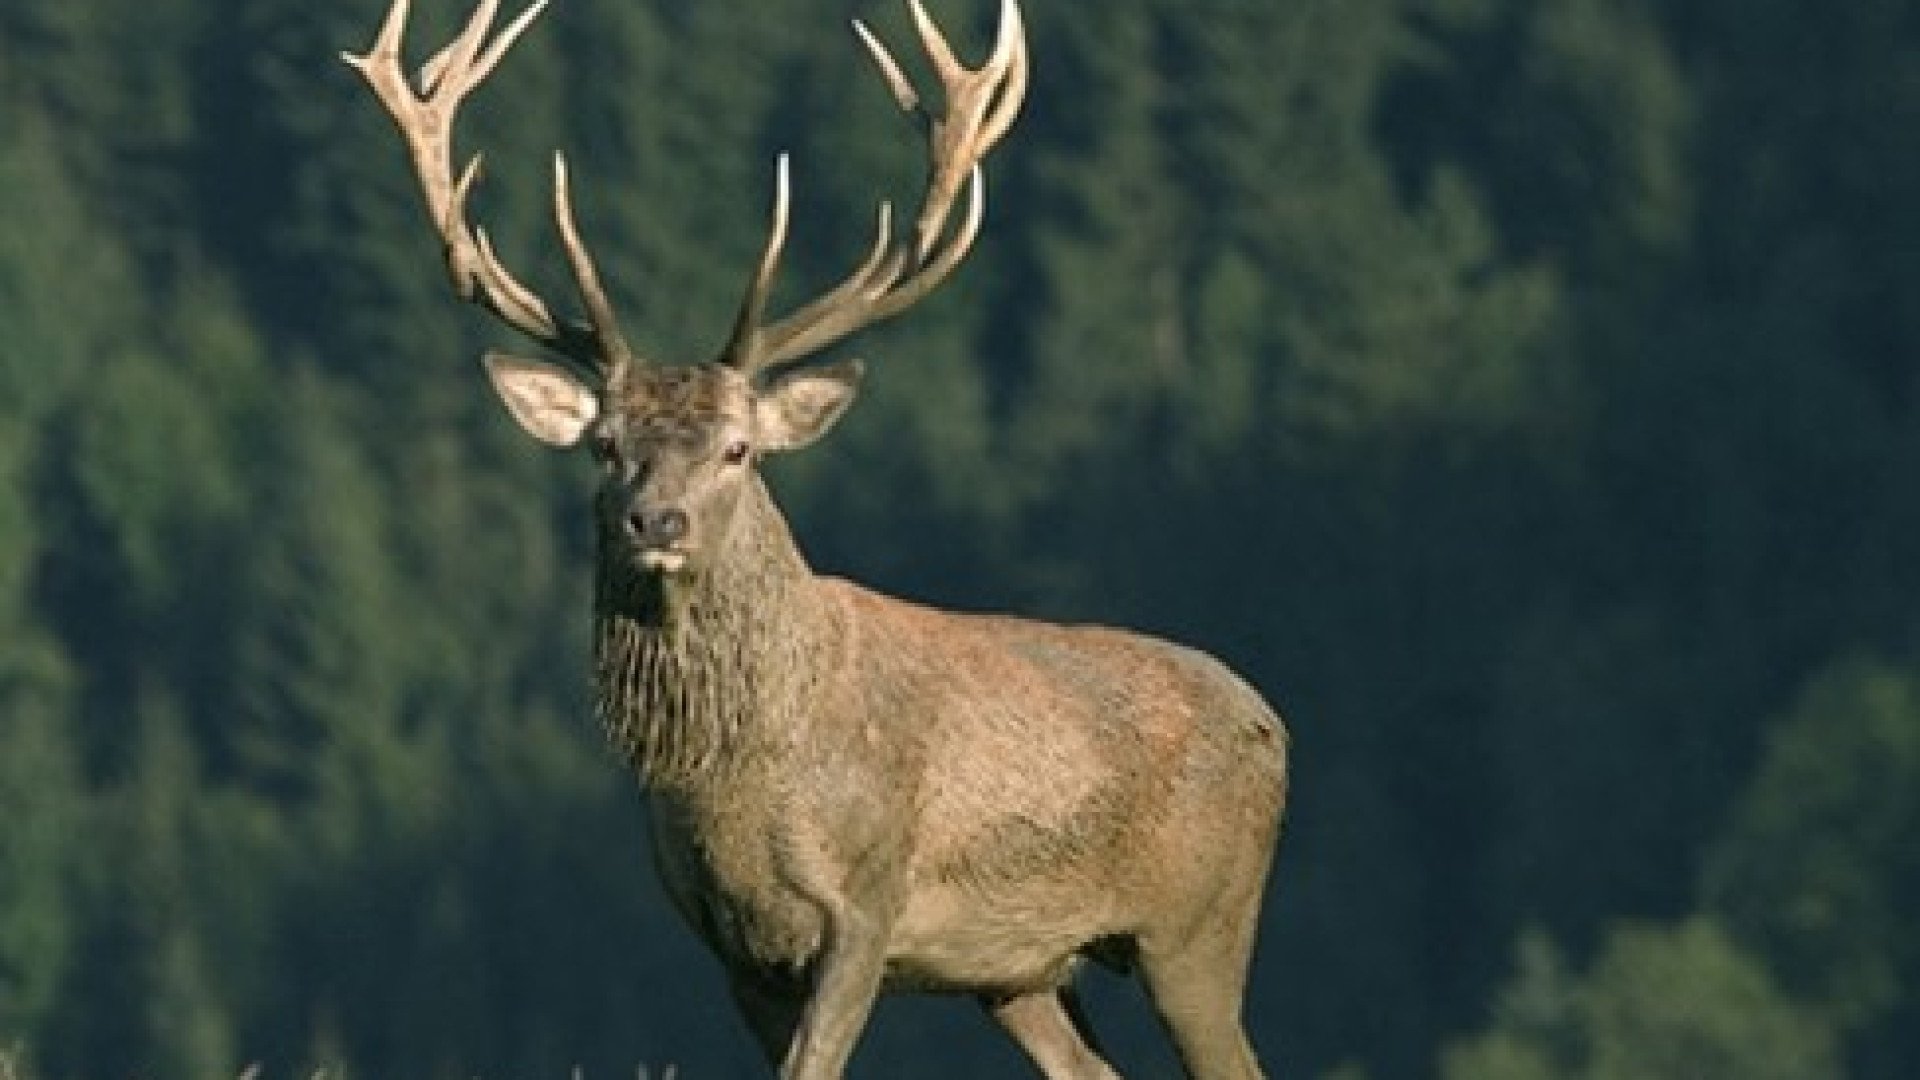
(735, 452)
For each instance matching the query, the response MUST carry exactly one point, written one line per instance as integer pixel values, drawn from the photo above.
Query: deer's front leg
(847, 979)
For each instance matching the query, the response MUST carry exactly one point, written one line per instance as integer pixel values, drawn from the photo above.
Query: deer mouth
(663, 560)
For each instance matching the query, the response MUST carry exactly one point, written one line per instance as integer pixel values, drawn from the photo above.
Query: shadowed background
(1521, 393)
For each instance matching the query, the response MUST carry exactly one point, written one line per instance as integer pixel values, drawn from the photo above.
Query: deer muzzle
(656, 536)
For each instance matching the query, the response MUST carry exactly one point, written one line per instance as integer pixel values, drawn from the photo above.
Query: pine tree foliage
(1658, 1001)
(1817, 867)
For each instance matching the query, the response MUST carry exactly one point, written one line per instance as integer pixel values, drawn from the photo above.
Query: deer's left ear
(803, 403)
(549, 402)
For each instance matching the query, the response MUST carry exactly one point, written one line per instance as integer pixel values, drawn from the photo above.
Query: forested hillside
(1525, 394)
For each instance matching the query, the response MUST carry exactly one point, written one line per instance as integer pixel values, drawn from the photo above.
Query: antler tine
(932, 273)
(478, 274)
(880, 269)
(1009, 58)
(980, 106)
(456, 57)
(424, 118)
(897, 81)
(945, 64)
(746, 328)
(501, 44)
(878, 290)
(606, 326)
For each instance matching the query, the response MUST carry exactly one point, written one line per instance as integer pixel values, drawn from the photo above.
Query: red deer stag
(852, 793)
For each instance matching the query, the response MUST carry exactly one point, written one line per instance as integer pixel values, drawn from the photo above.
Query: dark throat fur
(693, 667)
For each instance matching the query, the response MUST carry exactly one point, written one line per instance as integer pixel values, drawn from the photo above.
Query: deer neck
(696, 670)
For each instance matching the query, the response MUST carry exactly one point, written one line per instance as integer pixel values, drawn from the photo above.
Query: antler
(425, 120)
(980, 105)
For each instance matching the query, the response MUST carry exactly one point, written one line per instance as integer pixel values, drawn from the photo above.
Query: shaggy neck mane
(692, 668)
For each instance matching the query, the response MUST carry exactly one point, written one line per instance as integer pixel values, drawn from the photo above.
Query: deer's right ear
(802, 404)
(549, 402)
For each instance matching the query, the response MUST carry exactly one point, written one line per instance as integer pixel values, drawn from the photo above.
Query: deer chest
(729, 873)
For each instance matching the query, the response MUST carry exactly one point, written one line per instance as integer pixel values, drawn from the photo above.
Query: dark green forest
(1525, 394)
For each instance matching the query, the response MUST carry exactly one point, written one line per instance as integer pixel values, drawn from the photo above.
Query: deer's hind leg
(1042, 1024)
(1197, 981)
(1198, 997)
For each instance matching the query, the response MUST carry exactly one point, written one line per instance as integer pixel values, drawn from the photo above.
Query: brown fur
(988, 800)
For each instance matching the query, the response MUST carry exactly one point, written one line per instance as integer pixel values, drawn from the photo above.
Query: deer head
(678, 445)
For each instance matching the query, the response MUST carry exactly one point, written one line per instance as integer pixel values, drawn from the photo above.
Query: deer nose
(657, 528)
